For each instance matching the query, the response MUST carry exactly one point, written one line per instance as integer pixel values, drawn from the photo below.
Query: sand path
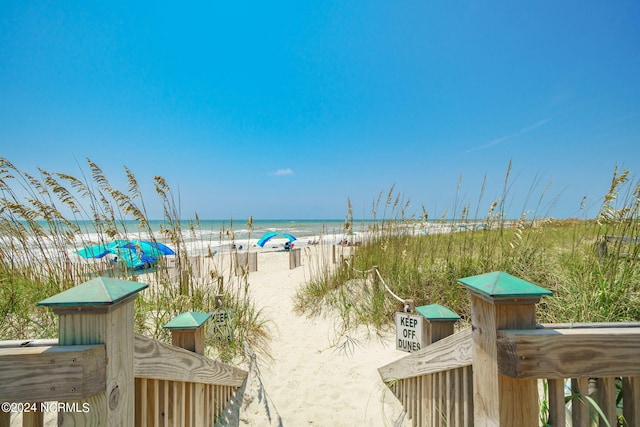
(309, 381)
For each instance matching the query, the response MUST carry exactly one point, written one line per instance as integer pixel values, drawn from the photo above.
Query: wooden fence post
(101, 311)
(245, 262)
(188, 332)
(501, 301)
(439, 322)
(294, 258)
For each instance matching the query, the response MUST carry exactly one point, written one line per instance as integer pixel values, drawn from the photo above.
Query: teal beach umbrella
(134, 253)
(268, 236)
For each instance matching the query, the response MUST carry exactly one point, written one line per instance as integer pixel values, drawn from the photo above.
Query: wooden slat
(451, 352)
(428, 398)
(631, 400)
(155, 359)
(166, 403)
(557, 412)
(456, 393)
(210, 415)
(51, 373)
(434, 399)
(411, 400)
(569, 353)
(419, 399)
(199, 404)
(181, 408)
(33, 418)
(467, 388)
(187, 401)
(607, 400)
(579, 405)
(442, 402)
(155, 390)
(450, 396)
(141, 401)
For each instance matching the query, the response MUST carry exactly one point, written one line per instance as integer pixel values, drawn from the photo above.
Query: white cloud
(283, 172)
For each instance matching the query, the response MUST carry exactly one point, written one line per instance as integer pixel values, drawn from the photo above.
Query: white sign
(221, 316)
(408, 332)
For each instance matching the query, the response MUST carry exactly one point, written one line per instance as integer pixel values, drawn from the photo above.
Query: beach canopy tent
(268, 236)
(134, 253)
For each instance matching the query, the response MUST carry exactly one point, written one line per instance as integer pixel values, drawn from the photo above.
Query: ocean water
(207, 236)
(220, 235)
(223, 234)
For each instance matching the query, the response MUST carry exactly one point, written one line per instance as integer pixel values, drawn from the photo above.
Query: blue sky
(289, 109)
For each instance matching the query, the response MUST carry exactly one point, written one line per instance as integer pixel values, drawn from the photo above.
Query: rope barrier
(402, 300)
(356, 270)
(387, 287)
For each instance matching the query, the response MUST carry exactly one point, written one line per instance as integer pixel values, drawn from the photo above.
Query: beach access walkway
(309, 381)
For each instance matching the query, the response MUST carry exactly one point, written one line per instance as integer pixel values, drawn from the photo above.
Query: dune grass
(421, 264)
(43, 219)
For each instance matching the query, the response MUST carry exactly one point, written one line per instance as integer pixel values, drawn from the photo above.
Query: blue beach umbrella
(155, 246)
(268, 236)
(135, 253)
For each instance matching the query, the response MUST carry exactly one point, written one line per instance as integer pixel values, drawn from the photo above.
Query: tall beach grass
(421, 259)
(41, 222)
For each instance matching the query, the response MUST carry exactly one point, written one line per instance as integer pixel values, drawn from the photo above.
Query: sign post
(409, 332)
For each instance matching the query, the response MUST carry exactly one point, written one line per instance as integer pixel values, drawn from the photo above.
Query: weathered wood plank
(467, 390)
(557, 406)
(631, 400)
(580, 406)
(46, 373)
(606, 399)
(569, 353)
(155, 359)
(451, 352)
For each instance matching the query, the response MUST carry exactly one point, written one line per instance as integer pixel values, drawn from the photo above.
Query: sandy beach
(307, 380)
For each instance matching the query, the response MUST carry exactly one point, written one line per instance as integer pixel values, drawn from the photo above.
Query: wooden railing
(178, 387)
(99, 372)
(435, 384)
(507, 371)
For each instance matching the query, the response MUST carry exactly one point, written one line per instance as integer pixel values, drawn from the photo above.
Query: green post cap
(437, 312)
(188, 320)
(501, 285)
(100, 291)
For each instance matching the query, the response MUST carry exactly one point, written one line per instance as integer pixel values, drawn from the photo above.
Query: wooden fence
(98, 372)
(245, 262)
(623, 247)
(508, 371)
(295, 258)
